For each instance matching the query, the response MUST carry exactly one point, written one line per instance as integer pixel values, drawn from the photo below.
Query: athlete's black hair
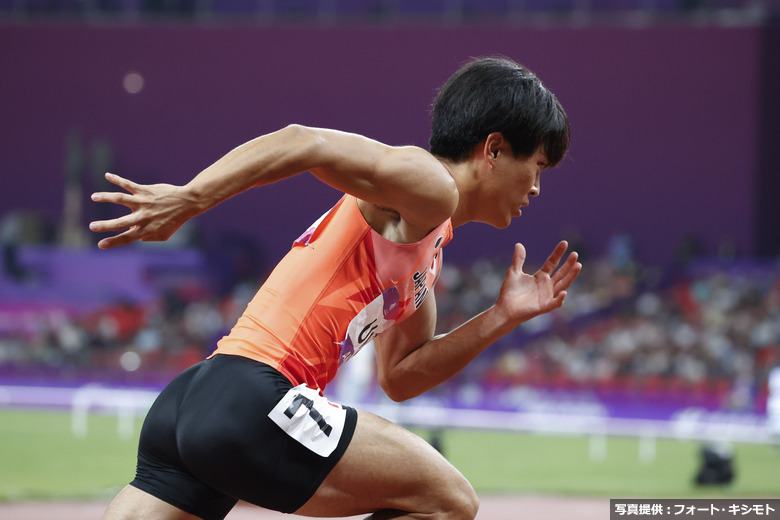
(496, 94)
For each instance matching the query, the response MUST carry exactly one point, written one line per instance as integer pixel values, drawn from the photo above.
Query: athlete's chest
(402, 277)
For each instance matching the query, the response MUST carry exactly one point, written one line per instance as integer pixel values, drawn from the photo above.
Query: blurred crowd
(716, 331)
(124, 341)
(712, 326)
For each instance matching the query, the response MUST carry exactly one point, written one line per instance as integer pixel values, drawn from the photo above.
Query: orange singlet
(340, 285)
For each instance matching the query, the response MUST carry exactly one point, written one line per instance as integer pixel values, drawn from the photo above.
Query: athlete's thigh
(387, 467)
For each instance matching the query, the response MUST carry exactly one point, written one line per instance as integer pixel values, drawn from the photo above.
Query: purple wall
(664, 120)
(767, 210)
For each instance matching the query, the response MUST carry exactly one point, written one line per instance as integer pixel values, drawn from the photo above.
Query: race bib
(375, 318)
(310, 419)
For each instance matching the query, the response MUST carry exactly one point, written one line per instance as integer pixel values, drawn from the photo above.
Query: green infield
(41, 458)
(608, 467)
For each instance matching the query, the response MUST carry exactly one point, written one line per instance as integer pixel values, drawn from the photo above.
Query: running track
(492, 508)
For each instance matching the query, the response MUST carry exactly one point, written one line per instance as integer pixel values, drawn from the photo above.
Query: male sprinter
(251, 422)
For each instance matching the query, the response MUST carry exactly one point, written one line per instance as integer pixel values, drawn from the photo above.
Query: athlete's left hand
(524, 296)
(156, 212)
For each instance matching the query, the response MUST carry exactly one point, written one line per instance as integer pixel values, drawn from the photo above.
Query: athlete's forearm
(522, 297)
(263, 160)
(441, 357)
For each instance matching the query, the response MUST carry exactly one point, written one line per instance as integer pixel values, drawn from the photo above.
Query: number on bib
(310, 419)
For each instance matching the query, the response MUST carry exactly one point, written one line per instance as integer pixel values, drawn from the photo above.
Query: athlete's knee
(133, 504)
(472, 504)
(457, 500)
(463, 502)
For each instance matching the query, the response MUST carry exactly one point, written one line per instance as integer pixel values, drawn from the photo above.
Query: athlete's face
(514, 181)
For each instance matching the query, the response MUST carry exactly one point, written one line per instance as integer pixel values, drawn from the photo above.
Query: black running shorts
(231, 428)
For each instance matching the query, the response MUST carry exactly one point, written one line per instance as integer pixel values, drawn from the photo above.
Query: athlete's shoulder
(419, 188)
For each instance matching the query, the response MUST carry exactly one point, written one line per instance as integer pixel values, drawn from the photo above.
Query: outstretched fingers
(555, 258)
(518, 260)
(131, 235)
(115, 197)
(129, 225)
(125, 184)
(557, 302)
(125, 199)
(565, 276)
(117, 224)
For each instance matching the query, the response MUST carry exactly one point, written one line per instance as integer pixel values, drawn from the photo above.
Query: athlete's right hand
(156, 212)
(523, 295)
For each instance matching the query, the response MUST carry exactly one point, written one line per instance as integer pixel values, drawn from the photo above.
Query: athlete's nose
(536, 189)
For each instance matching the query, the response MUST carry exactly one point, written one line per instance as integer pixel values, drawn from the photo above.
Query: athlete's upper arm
(393, 347)
(407, 179)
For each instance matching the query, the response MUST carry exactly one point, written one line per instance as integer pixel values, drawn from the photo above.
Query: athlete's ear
(493, 144)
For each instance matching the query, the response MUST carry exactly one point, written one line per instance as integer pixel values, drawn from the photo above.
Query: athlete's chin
(497, 221)
(501, 224)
